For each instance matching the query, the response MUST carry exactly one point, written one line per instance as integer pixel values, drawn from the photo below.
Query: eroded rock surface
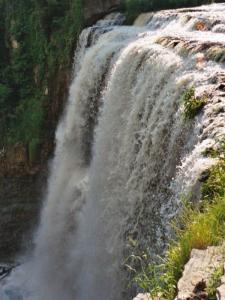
(198, 272)
(20, 206)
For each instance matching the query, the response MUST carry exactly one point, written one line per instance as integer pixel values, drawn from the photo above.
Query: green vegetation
(192, 104)
(198, 227)
(215, 282)
(135, 7)
(215, 152)
(37, 41)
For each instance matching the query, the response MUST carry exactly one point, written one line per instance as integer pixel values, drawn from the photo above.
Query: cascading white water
(124, 156)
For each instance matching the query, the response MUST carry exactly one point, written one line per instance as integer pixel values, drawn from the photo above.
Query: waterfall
(125, 154)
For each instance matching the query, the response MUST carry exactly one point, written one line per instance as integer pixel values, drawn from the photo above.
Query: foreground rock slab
(198, 272)
(220, 292)
(143, 297)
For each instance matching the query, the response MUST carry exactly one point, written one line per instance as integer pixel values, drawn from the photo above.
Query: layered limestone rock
(197, 276)
(198, 272)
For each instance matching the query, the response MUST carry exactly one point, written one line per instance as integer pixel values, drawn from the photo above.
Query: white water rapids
(125, 154)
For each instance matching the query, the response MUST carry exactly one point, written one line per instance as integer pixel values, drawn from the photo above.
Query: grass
(215, 282)
(197, 228)
(192, 104)
(219, 151)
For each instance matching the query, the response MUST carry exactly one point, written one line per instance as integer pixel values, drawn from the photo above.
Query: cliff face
(23, 182)
(34, 82)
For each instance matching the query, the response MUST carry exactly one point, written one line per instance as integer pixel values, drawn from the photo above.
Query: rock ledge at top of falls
(96, 9)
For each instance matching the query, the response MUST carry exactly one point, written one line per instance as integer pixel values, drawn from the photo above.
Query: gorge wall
(94, 10)
(27, 138)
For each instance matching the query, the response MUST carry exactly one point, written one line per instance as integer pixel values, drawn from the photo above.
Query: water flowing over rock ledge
(125, 155)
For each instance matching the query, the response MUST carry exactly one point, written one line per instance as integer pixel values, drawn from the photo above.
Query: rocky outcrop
(220, 292)
(198, 272)
(19, 205)
(96, 9)
(197, 276)
(143, 297)
(22, 179)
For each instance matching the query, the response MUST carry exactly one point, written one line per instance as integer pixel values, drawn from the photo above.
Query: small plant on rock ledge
(214, 282)
(192, 104)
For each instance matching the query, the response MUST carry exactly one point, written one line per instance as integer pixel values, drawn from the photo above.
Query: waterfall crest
(124, 153)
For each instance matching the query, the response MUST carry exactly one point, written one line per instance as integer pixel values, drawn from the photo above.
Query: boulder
(198, 272)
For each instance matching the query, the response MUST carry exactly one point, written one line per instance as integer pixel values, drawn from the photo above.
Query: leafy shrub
(4, 92)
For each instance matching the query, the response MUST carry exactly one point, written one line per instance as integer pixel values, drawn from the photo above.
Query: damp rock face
(198, 272)
(20, 206)
(95, 9)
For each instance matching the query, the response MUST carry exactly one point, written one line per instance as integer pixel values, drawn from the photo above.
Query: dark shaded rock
(221, 87)
(204, 176)
(96, 9)
(4, 271)
(20, 206)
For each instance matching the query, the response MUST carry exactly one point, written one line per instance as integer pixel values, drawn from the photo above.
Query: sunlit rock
(198, 272)
(143, 297)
